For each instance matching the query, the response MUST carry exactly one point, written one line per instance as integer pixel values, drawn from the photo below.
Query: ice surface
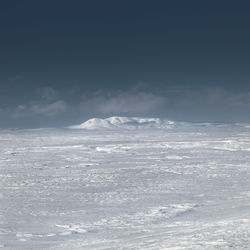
(181, 188)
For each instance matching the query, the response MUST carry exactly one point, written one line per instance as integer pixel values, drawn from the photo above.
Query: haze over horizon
(65, 62)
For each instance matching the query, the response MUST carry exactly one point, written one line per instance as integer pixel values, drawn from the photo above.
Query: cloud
(178, 102)
(45, 103)
(34, 109)
(123, 102)
(187, 103)
(47, 93)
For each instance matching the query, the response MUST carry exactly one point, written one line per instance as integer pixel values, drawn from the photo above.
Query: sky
(63, 62)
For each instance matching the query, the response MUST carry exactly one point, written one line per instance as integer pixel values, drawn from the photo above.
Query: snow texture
(181, 188)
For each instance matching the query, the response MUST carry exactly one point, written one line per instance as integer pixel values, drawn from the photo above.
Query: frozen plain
(185, 187)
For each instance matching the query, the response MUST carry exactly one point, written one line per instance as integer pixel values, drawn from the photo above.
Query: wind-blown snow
(181, 188)
(116, 122)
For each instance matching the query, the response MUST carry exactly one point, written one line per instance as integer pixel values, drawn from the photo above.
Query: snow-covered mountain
(117, 122)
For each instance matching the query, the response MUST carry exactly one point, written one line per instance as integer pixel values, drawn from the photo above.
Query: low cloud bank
(183, 103)
(123, 102)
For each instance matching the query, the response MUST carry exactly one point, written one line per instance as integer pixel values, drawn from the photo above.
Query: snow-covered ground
(182, 187)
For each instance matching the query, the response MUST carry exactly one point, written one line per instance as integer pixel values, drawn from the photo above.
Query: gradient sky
(63, 62)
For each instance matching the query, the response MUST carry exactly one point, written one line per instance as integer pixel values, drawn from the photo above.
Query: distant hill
(117, 122)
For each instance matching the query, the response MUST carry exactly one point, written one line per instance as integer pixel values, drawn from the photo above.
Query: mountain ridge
(122, 122)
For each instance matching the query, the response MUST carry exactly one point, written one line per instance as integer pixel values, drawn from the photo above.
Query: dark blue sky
(62, 61)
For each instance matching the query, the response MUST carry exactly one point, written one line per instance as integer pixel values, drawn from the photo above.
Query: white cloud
(47, 94)
(123, 102)
(50, 109)
(32, 109)
(184, 103)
